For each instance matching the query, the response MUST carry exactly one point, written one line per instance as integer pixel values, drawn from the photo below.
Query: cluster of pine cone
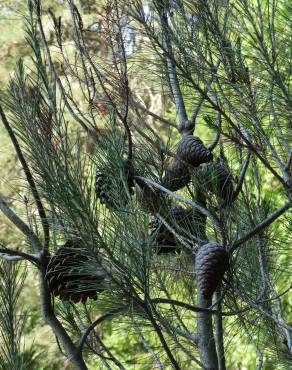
(66, 274)
(190, 152)
(212, 259)
(191, 155)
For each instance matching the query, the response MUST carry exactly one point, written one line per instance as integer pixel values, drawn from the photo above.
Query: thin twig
(242, 175)
(171, 71)
(29, 178)
(196, 308)
(158, 364)
(183, 305)
(180, 198)
(168, 351)
(259, 353)
(20, 224)
(216, 139)
(154, 115)
(96, 322)
(98, 339)
(52, 69)
(172, 230)
(262, 225)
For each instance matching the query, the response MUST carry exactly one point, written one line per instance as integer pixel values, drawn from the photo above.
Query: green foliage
(249, 106)
(14, 354)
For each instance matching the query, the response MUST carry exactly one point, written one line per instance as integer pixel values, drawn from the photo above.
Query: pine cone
(211, 264)
(176, 176)
(66, 278)
(151, 199)
(102, 188)
(179, 219)
(104, 184)
(218, 180)
(192, 150)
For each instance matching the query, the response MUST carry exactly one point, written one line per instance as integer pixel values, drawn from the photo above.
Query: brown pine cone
(218, 180)
(151, 199)
(104, 184)
(102, 188)
(211, 263)
(66, 276)
(192, 150)
(179, 219)
(176, 176)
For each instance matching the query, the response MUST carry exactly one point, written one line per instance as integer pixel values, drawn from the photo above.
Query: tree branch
(180, 198)
(216, 139)
(219, 332)
(262, 225)
(206, 340)
(50, 318)
(242, 176)
(93, 325)
(171, 71)
(20, 224)
(29, 178)
(183, 305)
(15, 255)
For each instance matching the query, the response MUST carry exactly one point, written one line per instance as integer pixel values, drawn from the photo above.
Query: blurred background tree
(130, 219)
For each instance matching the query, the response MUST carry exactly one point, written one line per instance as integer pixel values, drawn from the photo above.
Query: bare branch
(289, 162)
(213, 145)
(15, 255)
(216, 139)
(196, 110)
(183, 305)
(219, 331)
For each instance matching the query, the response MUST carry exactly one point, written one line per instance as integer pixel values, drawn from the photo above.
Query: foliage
(219, 62)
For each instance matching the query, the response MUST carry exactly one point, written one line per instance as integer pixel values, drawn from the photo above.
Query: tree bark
(219, 332)
(206, 340)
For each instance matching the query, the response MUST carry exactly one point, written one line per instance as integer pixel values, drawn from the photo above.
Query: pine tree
(170, 230)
